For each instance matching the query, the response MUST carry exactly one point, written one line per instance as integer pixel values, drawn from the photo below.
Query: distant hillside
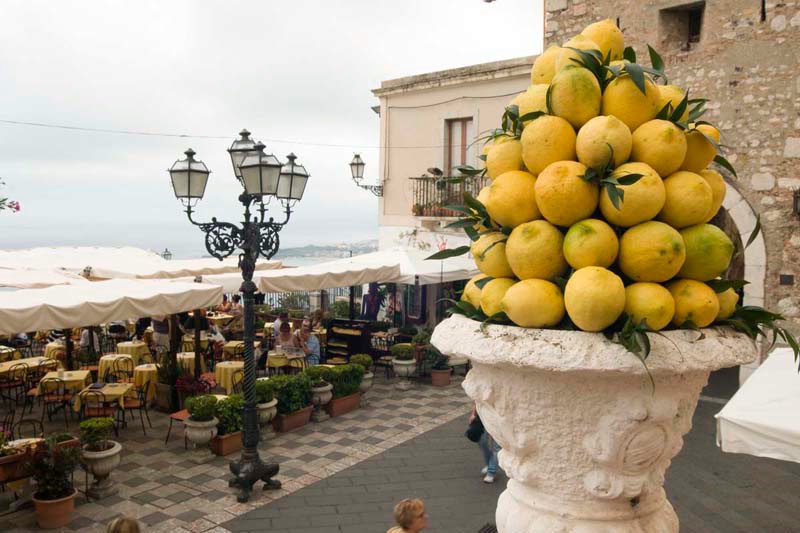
(329, 250)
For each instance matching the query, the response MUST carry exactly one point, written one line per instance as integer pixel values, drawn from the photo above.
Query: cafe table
(143, 374)
(32, 362)
(108, 362)
(113, 392)
(74, 380)
(55, 350)
(188, 342)
(224, 371)
(219, 319)
(8, 353)
(136, 349)
(234, 349)
(186, 363)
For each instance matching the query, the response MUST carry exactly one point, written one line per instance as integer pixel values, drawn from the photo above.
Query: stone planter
(267, 411)
(298, 419)
(226, 444)
(586, 440)
(200, 434)
(344, 405)
(320, 396)
(440, 378)
(12, 467)
(100, 465)
(52, 514)
(404, 370)
(366, 385)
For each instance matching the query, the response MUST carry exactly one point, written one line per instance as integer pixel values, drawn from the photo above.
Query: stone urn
(100, 465)
(267, 411)
(404, 370)
(320, 396)
(586, 436)
(366, 385)
(200, 434)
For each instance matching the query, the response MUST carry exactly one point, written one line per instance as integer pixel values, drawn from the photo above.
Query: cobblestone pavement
(164, 489)
(712, 492)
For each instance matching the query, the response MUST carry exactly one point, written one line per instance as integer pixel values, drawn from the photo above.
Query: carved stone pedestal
(586, 439)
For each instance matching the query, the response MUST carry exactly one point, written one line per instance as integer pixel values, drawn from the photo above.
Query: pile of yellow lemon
(656, 238)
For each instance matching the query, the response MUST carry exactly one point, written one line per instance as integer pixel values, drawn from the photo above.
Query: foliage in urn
(201, 408)
(402, 351)
(346, 379)
(363, 360)
(95, 433)
(265, 391)
(292, 391)
(317, 375)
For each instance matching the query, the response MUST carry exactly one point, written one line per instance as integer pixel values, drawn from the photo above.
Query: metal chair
(381, 354)
(94, 404)
(53, 395)
(35, 426)
(14, 381)
(7, 424)
(116, 376)
(124, 365)
(237, 381)
(139, 404)
(179, 416)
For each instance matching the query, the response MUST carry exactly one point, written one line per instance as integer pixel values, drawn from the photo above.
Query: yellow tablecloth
(186, 363)
(52, 349)
(224, 371)
(74, 380)
(32, 362)
(280, 361)
(114, 392)
(106, 363)
(219, 319)
(188, 342)
(8, 354)
(234, 349)
(135, 349)
(143, 373)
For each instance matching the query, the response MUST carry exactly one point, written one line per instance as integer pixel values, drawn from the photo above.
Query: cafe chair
(53, 395)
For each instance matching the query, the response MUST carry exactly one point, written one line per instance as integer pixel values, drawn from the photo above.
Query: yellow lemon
(651, 251)
(594, 298)
(544, 68)
(566, 55)
(482, 197)
(674, 95)
(601, 136)
(688, 199)
(649, 302)
(718, 190)
(490, 258)
(618, 63)
(708, 252)
(642, 200)
(534, 303)
(699, 151)
(472, 293)
(504, 156)
(575, 95)
(563, 196)
(532, 100)
(694, 301)
(661, 144)
(511, 199)
(535, 250)
(590, 242)
(727, 303)
(546, 140)
(608, 38)
(492, 295)
(626, 102)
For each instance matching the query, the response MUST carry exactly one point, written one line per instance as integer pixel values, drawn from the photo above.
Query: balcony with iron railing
(432, 194)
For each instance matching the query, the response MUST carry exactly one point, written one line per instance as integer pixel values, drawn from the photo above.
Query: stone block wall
(748, 67)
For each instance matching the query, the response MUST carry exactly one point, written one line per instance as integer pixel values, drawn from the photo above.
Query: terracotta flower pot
(267, 411)
(298, 419)
(226, 444)
(100, 465)
(200, 434)
(52, 514)
(345, 404)
(440, 378)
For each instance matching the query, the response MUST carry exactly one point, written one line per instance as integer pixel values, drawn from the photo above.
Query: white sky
(298, 70)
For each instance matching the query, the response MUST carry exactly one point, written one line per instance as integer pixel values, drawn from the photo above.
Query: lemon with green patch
(651, 251)
(534, 303)
(535, 250)
(727, 303)
(651, 303)
(695, 302)
(601, 137)
(546, 140)
(532, 100)
(489, 252)
(687, 201)
(608, 37)
(623, 99)
(504, 155)
(672, 94)
(700, 152)
(642, 200)
(575, 95)
(472, 293)
(492, 295)
(660, 144)
(544, 67)
(567, 56)
(718, 190)
(563, 196)
(590, 242)
(708, 252)
(511, 200)
(594, 298)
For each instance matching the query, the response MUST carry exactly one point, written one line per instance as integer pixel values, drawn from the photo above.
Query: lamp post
(357, 171)
(263, 177)
(166, 254)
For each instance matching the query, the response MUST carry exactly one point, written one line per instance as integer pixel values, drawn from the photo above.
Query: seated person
(285, 339)
(225, 306)
(309, 343)
(236, 307)
(316, 319)
(282, 317)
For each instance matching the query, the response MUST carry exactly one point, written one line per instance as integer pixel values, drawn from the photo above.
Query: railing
(431, 194)
(302, 299)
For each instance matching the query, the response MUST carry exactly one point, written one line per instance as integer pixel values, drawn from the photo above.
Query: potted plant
(201, 426)
(421, 342)
(366, 381)
(51, 467)
(100, 456)
(12, 461)
(321, 391)
(440, 367)
(229, 429)
(294, 401)
(405, 333)
(188, 386)
(403, 362)
(66, 439)
(346, 381)
(266, 403)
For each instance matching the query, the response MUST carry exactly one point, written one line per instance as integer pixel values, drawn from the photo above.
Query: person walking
(410, 516)
(489, 448)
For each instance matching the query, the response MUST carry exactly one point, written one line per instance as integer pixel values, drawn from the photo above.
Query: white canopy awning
(36, 279)
(69, 306)
(124, 262)
(763, 417)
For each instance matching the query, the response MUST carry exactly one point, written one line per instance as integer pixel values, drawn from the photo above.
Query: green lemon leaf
(655, 59)
(755, 232)
(630, 54)
(637, 76)
(721, 161)
(722, 285)
(447, 254)
(483, 281)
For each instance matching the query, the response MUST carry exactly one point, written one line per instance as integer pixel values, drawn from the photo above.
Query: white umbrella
(37, 279)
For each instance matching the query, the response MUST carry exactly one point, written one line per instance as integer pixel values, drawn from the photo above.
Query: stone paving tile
(162, 487)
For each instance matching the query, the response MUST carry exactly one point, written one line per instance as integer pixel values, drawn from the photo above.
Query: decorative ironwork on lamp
(166, 254)
(357, 170)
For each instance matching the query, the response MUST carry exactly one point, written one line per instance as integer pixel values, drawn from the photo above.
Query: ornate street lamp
(166, 254)
(263, 176)
(357, 170)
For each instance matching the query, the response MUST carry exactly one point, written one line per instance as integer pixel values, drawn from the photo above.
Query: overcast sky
(298, 71)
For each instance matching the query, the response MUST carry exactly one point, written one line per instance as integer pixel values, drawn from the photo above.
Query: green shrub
(265, 391)
(436, 360)
(346, 379)
(402, 351)
(62, 437)
(292, 391)
(229, 413)
(340, 309)
(317, 375)
(423, 336)
(408, 329)
(363, 360)
(201, 408)
(52, 467)
(95, 433)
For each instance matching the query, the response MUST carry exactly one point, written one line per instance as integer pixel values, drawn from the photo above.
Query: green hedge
(293, 392)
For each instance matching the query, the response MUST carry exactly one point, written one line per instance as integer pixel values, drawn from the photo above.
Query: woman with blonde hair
(123, 525)
(410, 516)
